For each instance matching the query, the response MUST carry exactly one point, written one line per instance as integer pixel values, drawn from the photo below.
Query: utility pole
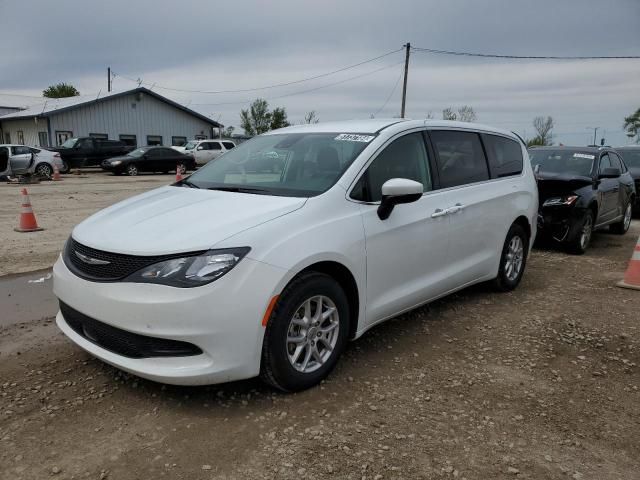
(406, 74)
(108, 79)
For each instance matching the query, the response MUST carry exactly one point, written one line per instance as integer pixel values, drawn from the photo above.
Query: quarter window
(405, 157)
(505, 156)
(228, 145)
(460, 158)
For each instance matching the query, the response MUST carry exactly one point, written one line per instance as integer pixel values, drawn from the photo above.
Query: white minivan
(268, 260)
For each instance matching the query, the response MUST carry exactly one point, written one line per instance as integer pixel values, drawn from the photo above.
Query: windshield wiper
(258, 191)
(188, 183)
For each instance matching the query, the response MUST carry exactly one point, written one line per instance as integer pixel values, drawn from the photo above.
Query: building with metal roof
(137, 117)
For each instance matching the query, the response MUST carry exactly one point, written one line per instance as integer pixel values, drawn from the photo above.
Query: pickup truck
(88, 151)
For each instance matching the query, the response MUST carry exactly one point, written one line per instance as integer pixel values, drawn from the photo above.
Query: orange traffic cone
(632, 275)
(178, 173)
(56, 173)
(28, 221)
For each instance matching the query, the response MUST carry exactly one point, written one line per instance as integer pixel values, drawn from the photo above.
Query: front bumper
(562, 223)
(223, 319)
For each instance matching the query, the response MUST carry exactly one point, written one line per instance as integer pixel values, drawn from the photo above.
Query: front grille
(120, 265)
(124, 343)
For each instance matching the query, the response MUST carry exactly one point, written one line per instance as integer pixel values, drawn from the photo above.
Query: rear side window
(460, 158)
(215, 146)
(505, 156)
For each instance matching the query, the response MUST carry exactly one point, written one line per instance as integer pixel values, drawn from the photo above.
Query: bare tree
(311, 117)
(429, 116)
(544, 131)
(448, 114)
(467, 114)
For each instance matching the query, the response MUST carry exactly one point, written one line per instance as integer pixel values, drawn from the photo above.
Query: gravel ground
(539, 383)
(58, 207)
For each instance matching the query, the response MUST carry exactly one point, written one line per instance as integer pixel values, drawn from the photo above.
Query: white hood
(179, 219)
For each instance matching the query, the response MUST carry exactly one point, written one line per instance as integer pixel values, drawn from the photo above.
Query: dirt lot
(539, 383)
(59, 206)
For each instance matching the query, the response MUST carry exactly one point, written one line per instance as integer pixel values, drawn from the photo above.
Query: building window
(20, 134)
(99, 136)
(7, 137)
(178, 141)
(43, 139)
(63, 136)
(200, 137)
(153, 140)
(130, 140)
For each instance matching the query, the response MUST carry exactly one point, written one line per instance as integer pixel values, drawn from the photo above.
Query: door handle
(439, 213)
(458, 207)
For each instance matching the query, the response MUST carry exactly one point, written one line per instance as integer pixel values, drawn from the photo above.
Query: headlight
(191, 271)
(556, 201)
(116, 162)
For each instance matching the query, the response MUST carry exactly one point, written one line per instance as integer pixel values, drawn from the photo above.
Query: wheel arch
(345, 278)
(524, 223)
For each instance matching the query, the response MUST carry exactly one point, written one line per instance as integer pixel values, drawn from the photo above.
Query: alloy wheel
(312, 334)
(132, 170)
(43, 170)
(585, 234)
(514, 258)
(627, 217)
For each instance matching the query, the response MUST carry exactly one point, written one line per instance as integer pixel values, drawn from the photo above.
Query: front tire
(623, 225)
(579, 244)
(132, 170)
(306, 333)
(513, 259)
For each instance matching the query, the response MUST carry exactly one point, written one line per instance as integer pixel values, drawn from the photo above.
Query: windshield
(631, 156)
(69, 143)
(562, 161)
(137, 152)
(190, 145)
(294, 164)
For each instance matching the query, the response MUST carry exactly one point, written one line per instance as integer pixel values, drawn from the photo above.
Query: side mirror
(397, 191)
(610, 172)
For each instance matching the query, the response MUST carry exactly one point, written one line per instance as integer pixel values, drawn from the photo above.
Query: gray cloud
(203, 45)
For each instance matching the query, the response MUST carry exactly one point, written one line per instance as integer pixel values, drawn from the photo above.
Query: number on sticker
(353, 137)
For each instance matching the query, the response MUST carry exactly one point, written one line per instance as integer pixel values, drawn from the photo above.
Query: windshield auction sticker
(353, 137)
(584, 155)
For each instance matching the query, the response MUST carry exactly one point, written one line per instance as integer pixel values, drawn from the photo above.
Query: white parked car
(20, 160)
(293, 243)
(206, 150)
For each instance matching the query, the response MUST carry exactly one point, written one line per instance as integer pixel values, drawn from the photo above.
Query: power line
(300, 92)
(285, 84)
(390, 95)
(524, 57)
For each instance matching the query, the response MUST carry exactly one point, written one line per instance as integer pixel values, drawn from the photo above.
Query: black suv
(581, 189)
(89, 151)
(631, 157)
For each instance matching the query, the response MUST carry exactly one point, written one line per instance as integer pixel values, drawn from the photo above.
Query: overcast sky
(211, 45)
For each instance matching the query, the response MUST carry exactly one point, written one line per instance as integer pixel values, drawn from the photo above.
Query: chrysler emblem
(89, 260)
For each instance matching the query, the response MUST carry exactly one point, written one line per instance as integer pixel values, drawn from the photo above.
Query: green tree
(632, 125)
(228, 132)
(258, 119)
(60, 90)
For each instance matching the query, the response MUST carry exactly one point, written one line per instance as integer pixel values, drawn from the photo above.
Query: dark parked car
(581, 189)
(631, 156)
(88, 151)
(149, 159)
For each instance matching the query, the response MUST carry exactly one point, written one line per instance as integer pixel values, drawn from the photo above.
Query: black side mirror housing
(610, 172)
(397, 191)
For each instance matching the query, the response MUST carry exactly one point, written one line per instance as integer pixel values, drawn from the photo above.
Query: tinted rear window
(505, 156)
(460, 158)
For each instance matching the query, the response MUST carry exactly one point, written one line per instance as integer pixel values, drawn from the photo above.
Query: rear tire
(579, 244)
(623, 225)
(43, 170)
(306, 333)
(513, 259)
